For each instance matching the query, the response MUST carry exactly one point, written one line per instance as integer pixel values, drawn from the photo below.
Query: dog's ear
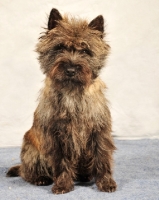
(97, 23)
(54, 17)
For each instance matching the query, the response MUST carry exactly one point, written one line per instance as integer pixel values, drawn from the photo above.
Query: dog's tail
(13, 171)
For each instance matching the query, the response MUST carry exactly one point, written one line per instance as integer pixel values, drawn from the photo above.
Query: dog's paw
(106, 185)
(61, 190)
(43, 180)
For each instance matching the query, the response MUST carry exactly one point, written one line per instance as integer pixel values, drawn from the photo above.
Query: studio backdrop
(131, 72)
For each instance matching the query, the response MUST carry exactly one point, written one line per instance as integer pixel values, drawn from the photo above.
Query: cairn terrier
(70, 138)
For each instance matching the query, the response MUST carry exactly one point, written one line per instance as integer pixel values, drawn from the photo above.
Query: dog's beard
(70, 85)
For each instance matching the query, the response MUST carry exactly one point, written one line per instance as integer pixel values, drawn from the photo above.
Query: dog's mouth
(69, 82)
(73, 81)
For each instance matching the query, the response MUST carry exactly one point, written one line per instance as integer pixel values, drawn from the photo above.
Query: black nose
(70, 71)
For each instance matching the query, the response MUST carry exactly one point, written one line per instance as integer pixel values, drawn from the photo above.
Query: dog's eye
(78, 67)
(59, 47)
(86, 51)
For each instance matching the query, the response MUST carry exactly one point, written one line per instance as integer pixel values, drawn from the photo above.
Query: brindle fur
(71, 134)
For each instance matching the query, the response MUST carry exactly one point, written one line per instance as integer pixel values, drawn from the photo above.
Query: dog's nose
(70, 71)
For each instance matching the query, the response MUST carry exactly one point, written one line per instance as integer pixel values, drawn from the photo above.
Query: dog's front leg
(63, 170)
(63, 182)
(103, 149)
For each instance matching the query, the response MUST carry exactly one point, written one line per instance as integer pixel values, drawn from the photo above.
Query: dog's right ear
(54, 17)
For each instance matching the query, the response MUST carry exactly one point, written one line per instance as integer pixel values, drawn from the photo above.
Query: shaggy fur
(71, 134)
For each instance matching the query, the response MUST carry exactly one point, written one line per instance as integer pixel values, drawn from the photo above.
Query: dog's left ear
(54, 17)
(97, 23)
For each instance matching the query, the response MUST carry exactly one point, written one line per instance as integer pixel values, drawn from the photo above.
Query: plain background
(131, 73)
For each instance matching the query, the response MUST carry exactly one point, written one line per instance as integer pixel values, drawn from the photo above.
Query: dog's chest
(84, 113)
(78, 109)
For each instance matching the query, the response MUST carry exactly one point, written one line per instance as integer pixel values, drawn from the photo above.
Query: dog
(70, 139)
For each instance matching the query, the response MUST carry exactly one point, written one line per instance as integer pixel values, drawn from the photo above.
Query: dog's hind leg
(34, 168)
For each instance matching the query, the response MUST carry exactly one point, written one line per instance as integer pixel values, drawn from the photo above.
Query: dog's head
(72, 51)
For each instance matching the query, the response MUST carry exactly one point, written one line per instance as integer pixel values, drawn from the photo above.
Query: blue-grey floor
(136, 172)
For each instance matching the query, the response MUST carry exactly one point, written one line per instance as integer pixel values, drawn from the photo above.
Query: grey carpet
(136, 172)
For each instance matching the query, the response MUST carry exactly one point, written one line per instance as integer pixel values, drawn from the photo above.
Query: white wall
(132, 72)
